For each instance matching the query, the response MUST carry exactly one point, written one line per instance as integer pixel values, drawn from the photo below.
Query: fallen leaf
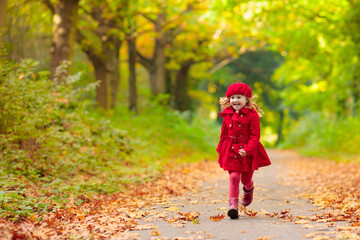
(172, 209)
(266, 237)
(217, 218)
(302, 222)
(222, 208)
(155, 232)
(311, 235)
(144, 227)
(322, 238)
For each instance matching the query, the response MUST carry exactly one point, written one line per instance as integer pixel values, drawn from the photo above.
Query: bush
(47, 138)
(54, 145)
(159, 134)
(319, 135)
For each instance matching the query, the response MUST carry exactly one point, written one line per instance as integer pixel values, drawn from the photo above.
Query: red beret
(239, 88)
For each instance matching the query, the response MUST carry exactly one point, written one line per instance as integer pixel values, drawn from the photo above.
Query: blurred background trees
(96, 96)
(301, 58)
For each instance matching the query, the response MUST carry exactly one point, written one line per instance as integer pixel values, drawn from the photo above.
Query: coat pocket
(243, 160)
(236, 148)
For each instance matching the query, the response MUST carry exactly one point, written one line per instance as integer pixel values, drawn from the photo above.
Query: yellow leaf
(155, 232)
(172, 209)
(301, 222)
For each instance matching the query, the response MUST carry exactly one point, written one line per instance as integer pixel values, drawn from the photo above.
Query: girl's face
(238, 101)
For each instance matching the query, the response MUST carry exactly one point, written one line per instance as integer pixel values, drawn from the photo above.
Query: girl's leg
(246, 180)
(234, 180)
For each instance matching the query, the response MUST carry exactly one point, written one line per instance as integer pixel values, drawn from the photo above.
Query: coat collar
(230, 110)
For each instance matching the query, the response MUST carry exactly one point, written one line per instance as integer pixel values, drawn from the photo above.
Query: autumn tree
(3, 10)
(65, 14)
(100, 36)
(130, 29)
(165, 22)
(209, 39)
(318, 42)
(352, 22)
(190, 48)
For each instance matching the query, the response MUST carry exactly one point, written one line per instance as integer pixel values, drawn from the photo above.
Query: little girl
(240, 150)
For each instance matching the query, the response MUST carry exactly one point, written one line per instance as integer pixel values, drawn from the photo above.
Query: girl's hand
(242, 153)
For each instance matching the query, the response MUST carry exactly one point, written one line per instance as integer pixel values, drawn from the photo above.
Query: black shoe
(233, 213)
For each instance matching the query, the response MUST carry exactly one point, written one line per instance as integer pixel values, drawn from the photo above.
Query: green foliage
(320, 73)
(160, 135)
(319, 135)
(48, 139)
(55, 147)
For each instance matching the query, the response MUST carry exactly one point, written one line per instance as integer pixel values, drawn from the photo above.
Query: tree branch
(188, 9)
(148, 18)
(221, 64)
(96, 15)
(146, 62)
(90, 51)
(50, 6)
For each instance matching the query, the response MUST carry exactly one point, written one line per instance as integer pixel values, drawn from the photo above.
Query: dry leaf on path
(155, 232)
(302, 222)
(217, 218)
(308, 226)
(266, 237)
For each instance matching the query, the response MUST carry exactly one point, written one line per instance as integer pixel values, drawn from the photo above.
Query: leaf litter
(333, 188)
(117, 215)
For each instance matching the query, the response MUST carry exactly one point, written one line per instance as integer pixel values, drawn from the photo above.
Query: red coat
(241, 131)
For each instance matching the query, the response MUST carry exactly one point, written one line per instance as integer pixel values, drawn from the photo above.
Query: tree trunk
(156, 64)
(132, 74)
(3, 10)
(113, 67)
(64, 33)
(280, 127)
(153, 79)
(169, 87)
(181, 97)
(356, 96)
(157, 70)
(160, 71)
(168, 84)
(106, 65)
(103, 89)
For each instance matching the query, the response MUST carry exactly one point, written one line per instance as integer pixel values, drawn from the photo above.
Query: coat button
(239, 125)
(241, 135)
(241, 146)
(235, 156)
(242, 115)
(230, 125)
(232, 147)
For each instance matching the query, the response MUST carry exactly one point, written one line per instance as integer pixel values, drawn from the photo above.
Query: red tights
(246, 180)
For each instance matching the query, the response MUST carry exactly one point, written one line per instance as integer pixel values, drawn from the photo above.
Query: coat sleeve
(254, 140)
(223, 135)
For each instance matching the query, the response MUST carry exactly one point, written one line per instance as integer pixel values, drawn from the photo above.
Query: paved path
(270, 196)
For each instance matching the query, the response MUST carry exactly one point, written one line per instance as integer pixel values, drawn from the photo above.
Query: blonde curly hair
(225, 102)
